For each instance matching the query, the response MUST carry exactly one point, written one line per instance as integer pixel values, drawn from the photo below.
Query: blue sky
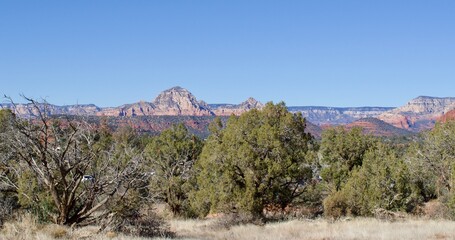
(307, 52)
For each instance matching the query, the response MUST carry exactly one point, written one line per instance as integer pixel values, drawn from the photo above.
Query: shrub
(136, 221)
(335, 205)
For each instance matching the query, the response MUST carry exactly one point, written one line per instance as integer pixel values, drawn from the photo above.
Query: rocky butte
(176, 101)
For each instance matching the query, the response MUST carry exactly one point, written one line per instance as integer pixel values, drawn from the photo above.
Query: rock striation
(419, 114)
(377, 127)
(179, 101)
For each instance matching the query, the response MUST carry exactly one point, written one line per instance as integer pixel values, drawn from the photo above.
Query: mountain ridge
(417, 114)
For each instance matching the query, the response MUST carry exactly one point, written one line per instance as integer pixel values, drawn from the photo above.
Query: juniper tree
(259, 158)
(432, 164)
(382, 182)
(341, 151)
(170, 158)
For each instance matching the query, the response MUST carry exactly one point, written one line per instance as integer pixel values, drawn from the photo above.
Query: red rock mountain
(178, 101)
(377, 127)
(418, 114)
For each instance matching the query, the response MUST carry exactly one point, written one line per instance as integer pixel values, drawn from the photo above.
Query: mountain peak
(179, 101)
(173, 96)
(177, 89)
(251, 103)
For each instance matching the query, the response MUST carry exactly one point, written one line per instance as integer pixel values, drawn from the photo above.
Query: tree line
(72, 172)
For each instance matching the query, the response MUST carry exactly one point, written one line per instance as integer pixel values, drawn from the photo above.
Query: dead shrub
(436, 210)
(228, 220)
(297, 211)
(383, 214)
(145, 223)
(335, 206)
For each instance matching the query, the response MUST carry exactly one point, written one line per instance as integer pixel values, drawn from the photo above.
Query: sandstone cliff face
(419, 113)
(179, 101)
(136, 109)
(449, 116)
(229, 109)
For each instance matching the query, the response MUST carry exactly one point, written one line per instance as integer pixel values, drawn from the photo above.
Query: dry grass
(359, 228)
(26, 228)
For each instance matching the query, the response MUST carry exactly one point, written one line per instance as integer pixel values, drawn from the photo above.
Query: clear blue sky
(306, 52)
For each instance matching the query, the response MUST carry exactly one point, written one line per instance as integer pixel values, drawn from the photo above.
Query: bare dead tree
(65, 158)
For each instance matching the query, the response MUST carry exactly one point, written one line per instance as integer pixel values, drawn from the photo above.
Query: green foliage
(341, 151)
(6, 117)
(336, 205)
(8, 195)
(32, 195)
(432, 164)
(170, 157)
(382, 182)
(258, 159)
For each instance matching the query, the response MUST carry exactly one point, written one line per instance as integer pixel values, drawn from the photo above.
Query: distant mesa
(420, 113)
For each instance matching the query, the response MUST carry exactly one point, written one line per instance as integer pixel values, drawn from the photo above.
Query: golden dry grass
(358, 228)
(26, 228)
